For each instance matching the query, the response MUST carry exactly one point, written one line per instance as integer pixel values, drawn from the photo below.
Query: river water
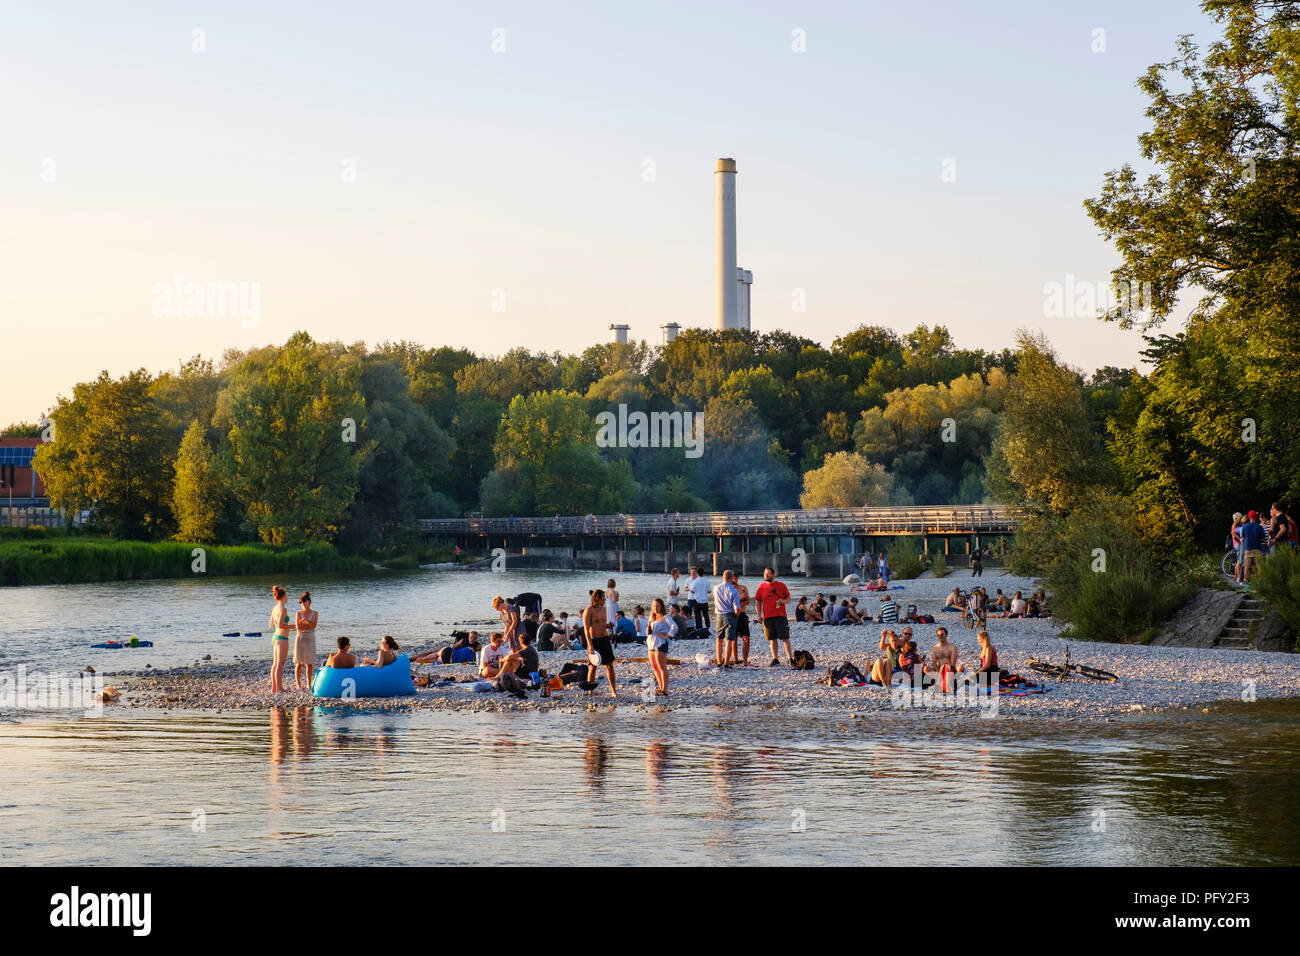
(315, 785)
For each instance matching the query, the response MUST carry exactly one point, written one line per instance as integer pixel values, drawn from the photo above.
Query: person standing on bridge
(697, 590)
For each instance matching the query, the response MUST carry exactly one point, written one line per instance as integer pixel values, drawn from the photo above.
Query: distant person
(387, 653)
(624, 629)
(304, 646)
(611, 604)
(1018, 607)
(726, 601)
(279, 638)
(1281, 529)
(801, 609)
(888, 610)
(639, 622)
(1234, 535)
(955, 601)
(596, 633)
(771, 597)
(342, 658)
(977, 563)
(460, 651)
(674, 585)
(698, 591)
(1252, 546)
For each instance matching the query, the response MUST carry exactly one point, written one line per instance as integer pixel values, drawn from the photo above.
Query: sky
(494, 175)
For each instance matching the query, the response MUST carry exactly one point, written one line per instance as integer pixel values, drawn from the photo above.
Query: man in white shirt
(697, 590)
(674, 587)
(490, 660)
(726, 601)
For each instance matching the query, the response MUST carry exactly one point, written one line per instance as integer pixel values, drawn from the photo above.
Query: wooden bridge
(652, 540)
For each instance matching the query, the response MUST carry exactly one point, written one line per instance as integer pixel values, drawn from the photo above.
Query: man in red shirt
(770, 596)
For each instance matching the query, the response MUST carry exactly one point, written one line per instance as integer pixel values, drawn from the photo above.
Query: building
(17, 480)
(731, 283)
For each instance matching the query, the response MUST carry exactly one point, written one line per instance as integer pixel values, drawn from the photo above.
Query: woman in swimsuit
(279, 638)
(387, 653)
(304, 647)
(988, 654)
(657, 641)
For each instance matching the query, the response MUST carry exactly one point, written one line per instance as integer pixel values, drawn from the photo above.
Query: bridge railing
(955, 519)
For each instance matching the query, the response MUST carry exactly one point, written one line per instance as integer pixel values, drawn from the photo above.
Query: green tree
(846, 480)
(196, 491)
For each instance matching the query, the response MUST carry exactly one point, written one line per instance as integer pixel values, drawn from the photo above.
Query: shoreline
(1152, 679)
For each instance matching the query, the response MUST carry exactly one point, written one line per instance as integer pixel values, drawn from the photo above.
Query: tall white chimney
(670, 332)
(620, 333)
(727, 290)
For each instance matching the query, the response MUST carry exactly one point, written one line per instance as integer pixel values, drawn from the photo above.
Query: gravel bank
(1152, 678)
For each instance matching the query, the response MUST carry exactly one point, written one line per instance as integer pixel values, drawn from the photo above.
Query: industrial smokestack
(670, 332)
(620, 333)
(744, 279)
(727, 291)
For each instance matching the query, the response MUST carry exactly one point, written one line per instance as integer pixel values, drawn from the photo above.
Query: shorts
(776, 628)
(605, 648)
(742, 624)
(1249, 559)
(304, 648)
(659, 646)
(727, 627)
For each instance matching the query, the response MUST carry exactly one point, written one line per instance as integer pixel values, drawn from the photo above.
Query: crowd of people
(304, 623)
(1250, 539)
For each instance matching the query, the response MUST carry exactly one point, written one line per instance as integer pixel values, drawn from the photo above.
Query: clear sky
(378, 170)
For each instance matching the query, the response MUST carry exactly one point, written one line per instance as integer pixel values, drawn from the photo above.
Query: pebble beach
(1152, 679)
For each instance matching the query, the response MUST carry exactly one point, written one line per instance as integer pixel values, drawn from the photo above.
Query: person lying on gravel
(449, 654)
(343, 657)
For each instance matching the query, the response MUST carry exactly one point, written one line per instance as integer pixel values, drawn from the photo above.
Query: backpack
(846, 670)
(803, 661)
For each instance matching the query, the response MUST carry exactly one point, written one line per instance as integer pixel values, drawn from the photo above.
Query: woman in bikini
(387, 654)
(279, 638)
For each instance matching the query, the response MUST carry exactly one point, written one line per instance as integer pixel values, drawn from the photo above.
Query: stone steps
(1236, 632)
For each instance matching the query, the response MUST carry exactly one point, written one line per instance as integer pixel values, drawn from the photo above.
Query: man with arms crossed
(771, 596)
(726, 602)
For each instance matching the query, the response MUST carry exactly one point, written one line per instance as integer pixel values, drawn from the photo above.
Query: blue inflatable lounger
(348, 682)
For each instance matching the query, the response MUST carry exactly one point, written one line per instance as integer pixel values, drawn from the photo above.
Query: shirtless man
(342, 657)
(596, 631)
(943, 653)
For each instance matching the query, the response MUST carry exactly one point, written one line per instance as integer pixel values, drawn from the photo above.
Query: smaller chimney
(670, 331)
(620, 333)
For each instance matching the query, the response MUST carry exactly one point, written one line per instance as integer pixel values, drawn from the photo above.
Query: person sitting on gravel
(812, 610)
(1018, 607)
(908, 660)
(882, 669)
(855, 616)
(387, 654)
(801, 609)
(988, 655)
(943, 654)
(888, 610)
(624, 629)
(1001, 602)
(839, 614)
(956, 601)
(685, 630)
(891, 645)
(343, 657)
(489, 664)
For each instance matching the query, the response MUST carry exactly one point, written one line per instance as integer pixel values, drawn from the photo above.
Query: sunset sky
(376, 171)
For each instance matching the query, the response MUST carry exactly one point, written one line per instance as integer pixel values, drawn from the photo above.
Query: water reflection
(595, 757)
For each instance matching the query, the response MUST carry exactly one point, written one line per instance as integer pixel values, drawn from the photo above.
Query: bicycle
(1067, 670)
(971, 618)
(1229, 563)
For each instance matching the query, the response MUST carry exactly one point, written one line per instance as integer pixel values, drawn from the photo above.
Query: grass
(59, 559)
(939, 566)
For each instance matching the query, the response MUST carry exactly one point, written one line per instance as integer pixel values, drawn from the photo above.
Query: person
(562, 638)
(529, 602)
(1252, 546)
(1234, 535)
(726, 601)
(855, 615)
(596, 633)
(304, 646)
(770, 597)
(489, 662)
(1017, 608)
(820, 603)
(955, 601)
(888, 610)
(698, 590)
(674, 585)
(523, 663)
(742, 620)
(387, 654)
(658, 642)
(908, 659)
(639, 621)
(531, 626)
(1001, 602)
(460, 651)
(988, 655)
(838, 614)
(682, 628)
(1281, 529)
(343, 657)
(813, 609)
(882, 568)
(943, 654)
(1041, 597)
(279, 638)
(891, 645)
(977, 563)
(510, 621)
(611, 604)
(545, 630)
(882, 670)
(624, 629)
(801, 610)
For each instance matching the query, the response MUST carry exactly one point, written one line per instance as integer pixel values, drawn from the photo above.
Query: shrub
(904, 557)
(1278, 583)
(939, 565)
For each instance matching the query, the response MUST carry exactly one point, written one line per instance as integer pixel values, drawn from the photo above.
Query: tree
(292, 418)
(846, 480)
(1218, 215)
(1046, 454)
(196, 492)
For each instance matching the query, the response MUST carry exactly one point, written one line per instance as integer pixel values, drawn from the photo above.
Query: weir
(825, 542)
